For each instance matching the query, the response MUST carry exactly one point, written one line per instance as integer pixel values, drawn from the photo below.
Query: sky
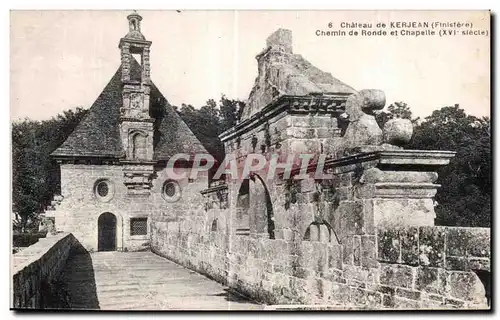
(61, 60)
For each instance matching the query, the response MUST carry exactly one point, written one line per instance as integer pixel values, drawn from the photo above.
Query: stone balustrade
(35, 269)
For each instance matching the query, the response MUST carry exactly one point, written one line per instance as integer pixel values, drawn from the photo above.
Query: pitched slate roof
(98, 135)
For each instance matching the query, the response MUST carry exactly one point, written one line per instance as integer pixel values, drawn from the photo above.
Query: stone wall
(198, 236)
(332, 242)
(37, 267)
(368, 272)
(435, 266)
(325, 241)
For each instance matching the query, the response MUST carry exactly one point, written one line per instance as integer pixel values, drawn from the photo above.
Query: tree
(464, 198)
(208, 122)
(35, 175)
(395, 110)
(230, 112)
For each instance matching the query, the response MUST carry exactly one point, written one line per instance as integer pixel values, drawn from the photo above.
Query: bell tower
(136, 124)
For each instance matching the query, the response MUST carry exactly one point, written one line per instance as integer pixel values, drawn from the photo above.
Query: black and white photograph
(250, 160)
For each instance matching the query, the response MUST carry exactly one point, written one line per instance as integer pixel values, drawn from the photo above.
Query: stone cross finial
(281, 38)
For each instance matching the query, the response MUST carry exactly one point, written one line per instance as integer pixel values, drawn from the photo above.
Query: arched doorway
(242, 205)
(254, 210)
(106, 240)
(261, 207)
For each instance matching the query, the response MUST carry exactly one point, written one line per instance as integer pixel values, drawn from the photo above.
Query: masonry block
(386, 290)
(350, 219)
(388, 301)
(408, 294)
(456, 263)
(333, 275)
(335, 257)
(359, 274)
(479, 243)
(406, 304)
(301, 133)
(432, 246)
(454, 303)
(369, 251)
(428, 279)
(389, 246)
(325, 289)
(341, 293)
(467, 286)
(479, 264)
(409, 246)
(356, 250)
(457, 241)
(402, 211)
(348, 251)
(397, 275)
(313, 256)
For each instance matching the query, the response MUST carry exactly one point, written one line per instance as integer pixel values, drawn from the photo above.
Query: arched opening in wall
(322, 232)
(254, 209)
(139, 150)
(485, 278)
(214, 225)
(261, 208)
(106, 226)
(242, 219)
(138, 57)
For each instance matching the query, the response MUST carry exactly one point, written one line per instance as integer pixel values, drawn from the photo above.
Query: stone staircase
(142, 281)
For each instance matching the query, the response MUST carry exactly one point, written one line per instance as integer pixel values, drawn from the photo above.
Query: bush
(27, 239)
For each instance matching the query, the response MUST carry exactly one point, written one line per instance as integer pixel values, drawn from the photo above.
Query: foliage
(395, 110)
(208, 122)
(35, 176)
(464, 198)
(27, 239)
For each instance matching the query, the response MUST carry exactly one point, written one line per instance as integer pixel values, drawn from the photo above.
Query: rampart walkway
(142, 281)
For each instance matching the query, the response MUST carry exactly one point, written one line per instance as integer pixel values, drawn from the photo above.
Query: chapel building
(113, 165)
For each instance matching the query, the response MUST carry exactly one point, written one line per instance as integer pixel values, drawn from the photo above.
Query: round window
(171, 191)
(103, 190)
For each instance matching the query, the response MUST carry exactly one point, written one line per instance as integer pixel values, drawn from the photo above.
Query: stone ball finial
(398, 131)
(373, 100)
